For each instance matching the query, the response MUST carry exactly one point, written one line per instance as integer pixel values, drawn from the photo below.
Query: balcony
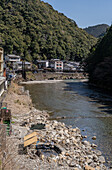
(13, 60)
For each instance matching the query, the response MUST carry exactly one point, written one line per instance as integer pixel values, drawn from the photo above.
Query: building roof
(55, 59)
(42, 61)
(13, 55)
(20, 62)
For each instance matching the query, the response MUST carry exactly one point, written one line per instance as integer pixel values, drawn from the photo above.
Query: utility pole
(23, 67)
(23, 70)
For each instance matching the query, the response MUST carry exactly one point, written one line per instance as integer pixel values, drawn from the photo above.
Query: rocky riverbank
(76, 153)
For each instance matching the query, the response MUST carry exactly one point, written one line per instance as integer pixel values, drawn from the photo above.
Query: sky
(85, 12)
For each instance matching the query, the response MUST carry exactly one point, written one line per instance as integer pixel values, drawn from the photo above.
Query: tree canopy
(99, 63)
(34, 30)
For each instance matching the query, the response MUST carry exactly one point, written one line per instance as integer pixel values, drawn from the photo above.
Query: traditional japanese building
(56, 64)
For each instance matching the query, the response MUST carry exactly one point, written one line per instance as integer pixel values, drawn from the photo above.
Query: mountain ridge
(97, 30)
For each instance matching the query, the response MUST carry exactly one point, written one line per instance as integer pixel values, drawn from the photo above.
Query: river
(75, 103)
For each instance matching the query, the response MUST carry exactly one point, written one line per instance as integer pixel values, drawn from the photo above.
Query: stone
(89, 161)
(98, 168)
(66, 131)
(23, 132)
(78, 166)
(84, 136)
(73, 139)
(61, 131)
(78, 151)
(61, 148)
(60, 163)
(94, 137)
(55, 123)
(53, 133)
(78, 130)
(87, 167)
(93, 145)
(101, 159)
(86, 143)
(67, 154)
(15, 132)
(97, 152)
(68, 161)
(72, 163)
(67, 141)
(83, 130)
(54, 159)
(63, 141)
(74, 130)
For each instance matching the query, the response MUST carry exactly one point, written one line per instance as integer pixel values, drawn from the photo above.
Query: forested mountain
(97, 30)
(34, 30)
(99, 63)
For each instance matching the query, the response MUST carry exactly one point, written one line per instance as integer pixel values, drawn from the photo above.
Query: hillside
(34, 30)
(97, 30)
(99, 64)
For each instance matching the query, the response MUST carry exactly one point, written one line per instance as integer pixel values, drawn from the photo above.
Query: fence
(2, 137)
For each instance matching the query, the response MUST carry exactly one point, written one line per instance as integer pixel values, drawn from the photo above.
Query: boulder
(87, 167)
(72, 163)
(101, 159)
(89, 161)
(97, 152)
(67, 154)
(93, 145)
(23, 132)
(98, 168)
(86, 143)
(94, 137)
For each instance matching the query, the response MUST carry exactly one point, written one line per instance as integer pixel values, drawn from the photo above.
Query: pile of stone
(76, 153)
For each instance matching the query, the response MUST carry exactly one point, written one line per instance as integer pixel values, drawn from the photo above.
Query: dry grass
(17, 101)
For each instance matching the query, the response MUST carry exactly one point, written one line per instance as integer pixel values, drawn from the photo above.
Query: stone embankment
(56, 76)
(76, 153)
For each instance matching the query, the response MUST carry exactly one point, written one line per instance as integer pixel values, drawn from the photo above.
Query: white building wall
(2, 85)
(47, 64)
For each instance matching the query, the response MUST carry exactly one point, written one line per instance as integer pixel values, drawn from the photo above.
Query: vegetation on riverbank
(34, 30)
(99, 64)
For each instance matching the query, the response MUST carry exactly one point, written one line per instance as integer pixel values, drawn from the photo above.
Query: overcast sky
(85, 12)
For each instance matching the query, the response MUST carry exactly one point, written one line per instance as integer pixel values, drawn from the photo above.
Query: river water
(75, 103)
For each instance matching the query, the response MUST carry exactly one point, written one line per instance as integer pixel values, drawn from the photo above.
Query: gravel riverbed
(76, 152)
